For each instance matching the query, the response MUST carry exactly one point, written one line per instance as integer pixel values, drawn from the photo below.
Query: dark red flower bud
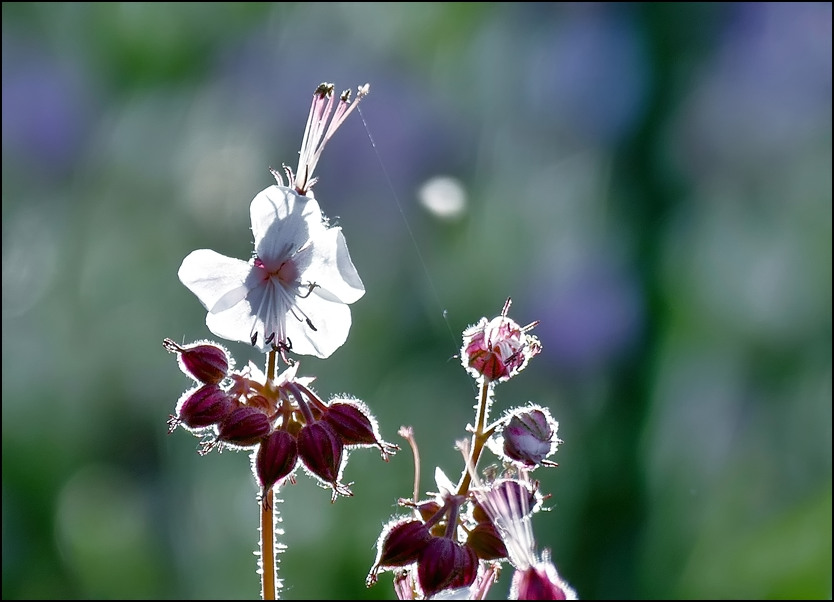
(468, 568)
(351, 424)
(486, 542)
(530, 436)
(244, 426)
(444, 564)
(428, 509)
(320, 449)
(276, 458)
(203, 407)
(480, 515)
(352, 421)
(402, 543)
(204, 362)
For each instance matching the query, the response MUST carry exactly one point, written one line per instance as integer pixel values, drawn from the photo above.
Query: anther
(311, 286)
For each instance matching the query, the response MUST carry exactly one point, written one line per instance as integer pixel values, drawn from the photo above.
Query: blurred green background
(650, 181)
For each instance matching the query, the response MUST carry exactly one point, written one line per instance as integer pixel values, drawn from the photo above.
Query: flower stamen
(316, 135)
(311, 286)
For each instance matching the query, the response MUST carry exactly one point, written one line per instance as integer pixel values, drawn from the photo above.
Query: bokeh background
(650, 181)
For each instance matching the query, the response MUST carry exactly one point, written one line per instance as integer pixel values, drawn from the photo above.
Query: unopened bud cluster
(449, 542)
(498, 349)
(454, 543)
(282, 420)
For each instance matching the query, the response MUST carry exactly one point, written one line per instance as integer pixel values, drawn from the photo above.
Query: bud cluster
(451, 542)
(455, 543)
(282, 420)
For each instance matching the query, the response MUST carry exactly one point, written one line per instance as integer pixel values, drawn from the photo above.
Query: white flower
(294, 294)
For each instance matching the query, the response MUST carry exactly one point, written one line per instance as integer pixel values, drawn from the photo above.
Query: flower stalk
(479, 437)
(267, 529)
(292, 296)
(267, 548)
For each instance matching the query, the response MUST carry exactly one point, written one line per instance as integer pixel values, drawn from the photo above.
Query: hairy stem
(479, 438)
(267, 525)
(267, 548)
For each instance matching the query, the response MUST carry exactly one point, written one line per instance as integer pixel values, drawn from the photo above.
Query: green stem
(479, 438)
(267, 525)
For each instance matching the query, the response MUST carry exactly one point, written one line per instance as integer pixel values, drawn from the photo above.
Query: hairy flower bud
(445, 564)
(498, 349)
(276, 458)
(205, 362)
(530, 436)
(468, 568)
(244, 427)
(352, 421)
(428, 509)
(203, 407)
(402, 543)
(486, 542)
(321, 449)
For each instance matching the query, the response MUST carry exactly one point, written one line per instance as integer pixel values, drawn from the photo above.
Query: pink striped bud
(530, 436)
(498, 349)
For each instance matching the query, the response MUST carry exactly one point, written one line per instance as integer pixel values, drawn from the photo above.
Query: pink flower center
(288, 272)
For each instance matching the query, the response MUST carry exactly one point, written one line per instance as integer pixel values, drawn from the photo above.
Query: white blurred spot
(443, 196)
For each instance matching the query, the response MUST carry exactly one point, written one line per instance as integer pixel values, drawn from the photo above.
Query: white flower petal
(327, 263)
(239, 322)
(219, 282)
(234, 324)
(331, 321)
(263, 312)
(281, 224)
